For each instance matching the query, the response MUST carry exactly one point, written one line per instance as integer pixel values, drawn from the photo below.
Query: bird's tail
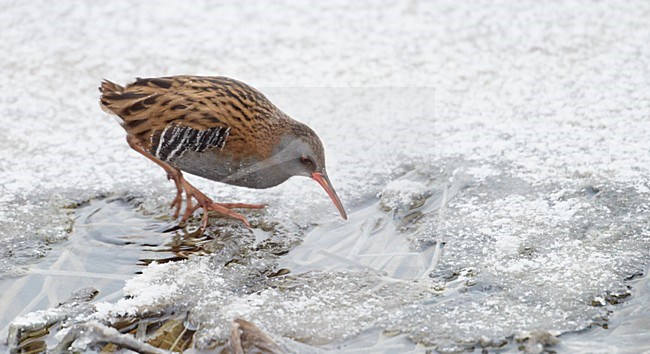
(110, 91)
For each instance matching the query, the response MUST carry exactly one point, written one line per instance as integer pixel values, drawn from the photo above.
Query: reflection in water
(110, 242)
(180, 247)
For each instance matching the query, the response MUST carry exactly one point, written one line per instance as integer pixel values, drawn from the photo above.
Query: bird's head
(302, 154)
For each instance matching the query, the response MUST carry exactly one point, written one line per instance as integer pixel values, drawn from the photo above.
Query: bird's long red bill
(324, 181)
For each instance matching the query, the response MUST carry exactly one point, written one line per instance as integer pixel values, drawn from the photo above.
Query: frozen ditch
(508, 142)
(382, 281)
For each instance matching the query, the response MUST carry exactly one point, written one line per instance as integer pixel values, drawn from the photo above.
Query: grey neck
(282, 165)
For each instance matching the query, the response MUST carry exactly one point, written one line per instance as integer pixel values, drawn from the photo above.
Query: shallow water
(110, 244)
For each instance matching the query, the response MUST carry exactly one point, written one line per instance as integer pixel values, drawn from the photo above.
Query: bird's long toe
(242, 206)
(223, 210)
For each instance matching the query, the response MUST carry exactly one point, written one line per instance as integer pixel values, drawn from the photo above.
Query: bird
(217, 128)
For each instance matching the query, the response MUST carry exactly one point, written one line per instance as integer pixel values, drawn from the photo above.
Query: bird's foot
(207, 204)
(225, 209)
(221, 209)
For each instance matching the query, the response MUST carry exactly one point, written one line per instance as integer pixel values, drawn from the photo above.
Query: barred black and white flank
(177, 139)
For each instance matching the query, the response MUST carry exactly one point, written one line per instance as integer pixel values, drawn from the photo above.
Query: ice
(403, 194)
(623, 326)
(493, 158)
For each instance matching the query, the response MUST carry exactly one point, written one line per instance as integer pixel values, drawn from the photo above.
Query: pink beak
(324, 181)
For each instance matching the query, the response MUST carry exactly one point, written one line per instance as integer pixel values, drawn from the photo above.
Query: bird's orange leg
(172, 174)
(203, 201)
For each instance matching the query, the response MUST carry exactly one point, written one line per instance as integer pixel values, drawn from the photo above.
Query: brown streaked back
(148, 106)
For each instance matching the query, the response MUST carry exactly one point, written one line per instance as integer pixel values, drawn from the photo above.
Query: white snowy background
(520, 132)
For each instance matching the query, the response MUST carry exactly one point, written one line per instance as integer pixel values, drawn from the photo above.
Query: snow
(500, 146)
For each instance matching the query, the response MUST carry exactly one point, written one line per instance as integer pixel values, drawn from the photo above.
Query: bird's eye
(306, 160)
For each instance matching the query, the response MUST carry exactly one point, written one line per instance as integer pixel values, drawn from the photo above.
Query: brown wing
(148, 106)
